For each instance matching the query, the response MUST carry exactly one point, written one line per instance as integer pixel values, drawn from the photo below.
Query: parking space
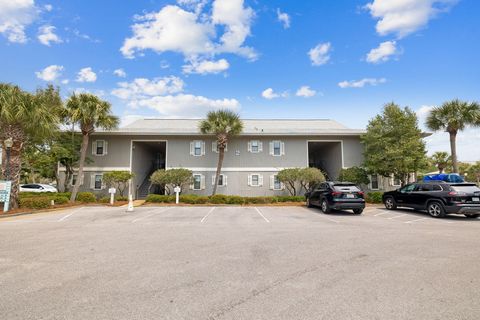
(238, 263)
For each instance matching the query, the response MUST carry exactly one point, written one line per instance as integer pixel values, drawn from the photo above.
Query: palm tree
(441, 160)
(224, 124)
(88, 112)
(25, 117)
(452, 117)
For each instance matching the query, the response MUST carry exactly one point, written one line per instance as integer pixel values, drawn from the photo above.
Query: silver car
(37, 187)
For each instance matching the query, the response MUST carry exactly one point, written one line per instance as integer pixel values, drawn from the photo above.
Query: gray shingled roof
(251, 127)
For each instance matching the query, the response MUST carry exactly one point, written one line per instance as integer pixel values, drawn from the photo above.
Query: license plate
(349, 195)
(476, 199)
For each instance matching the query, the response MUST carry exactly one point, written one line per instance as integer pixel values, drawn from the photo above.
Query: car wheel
(309, 204)
(436, 210)
(472, 215)
(390, 203)
(357, 211)
(325, 206)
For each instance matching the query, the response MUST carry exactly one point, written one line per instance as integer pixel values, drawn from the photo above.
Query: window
(197, 182)
(255, 146)
(197, 148)
(374, 182)
(396, 181)
(98, 182)
(408, 188)
(277, 148)
(99, 147)
(222, 180)
(255, 180)
(74, 179)
(277, 184)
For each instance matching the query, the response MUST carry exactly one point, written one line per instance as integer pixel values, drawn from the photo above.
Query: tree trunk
(83, 154)
(453, 147)
(15, 161)
(68, 177)
(221, 155)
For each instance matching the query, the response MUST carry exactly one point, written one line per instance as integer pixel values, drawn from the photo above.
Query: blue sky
(265, 59)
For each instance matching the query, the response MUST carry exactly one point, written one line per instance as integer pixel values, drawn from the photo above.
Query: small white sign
(177, 189)
(112, 190)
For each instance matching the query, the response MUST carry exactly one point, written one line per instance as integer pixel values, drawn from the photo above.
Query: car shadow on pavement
(335, 212)
(424, 214)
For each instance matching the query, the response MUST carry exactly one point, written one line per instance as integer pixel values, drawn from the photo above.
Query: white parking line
(149, 215)
(416, 220)
(400, 215)
(382, 213)
(65, 217)
(209, 211)
(261, 214)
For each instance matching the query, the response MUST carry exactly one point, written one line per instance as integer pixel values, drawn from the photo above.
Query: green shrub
(104, 200)
(374, 197)
(86, 197)
(235, 200)
(202, 200)
(121, 198)
(259, 200)
(290, 199)
(35, 202)
(188, 198)
(218, 199)
(160, 198)
(60, 199)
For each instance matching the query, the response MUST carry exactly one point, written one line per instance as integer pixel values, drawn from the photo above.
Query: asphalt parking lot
(238, 263)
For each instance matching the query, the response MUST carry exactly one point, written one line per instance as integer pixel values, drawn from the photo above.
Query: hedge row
(374, 197)
(222, 199)
(42, 202)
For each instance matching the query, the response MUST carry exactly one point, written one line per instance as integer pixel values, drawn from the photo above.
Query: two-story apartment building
(252, 160)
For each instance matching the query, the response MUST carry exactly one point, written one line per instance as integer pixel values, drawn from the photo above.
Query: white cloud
(165, 95)
(86, 75)
(120, 73)
(383, 52)
(15, 16)
(193, 33)
(48, 7)
(46, 35)
(320, 54)
(403, 17)
(142, 88)
(305, 92)
(284, 18)
(361, 83)
(65, 81)
(50, 73)
(186, 105)
(204, 67)
(270, 94)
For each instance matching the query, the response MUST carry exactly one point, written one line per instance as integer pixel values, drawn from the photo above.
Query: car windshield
(467, 188)
(346, 187)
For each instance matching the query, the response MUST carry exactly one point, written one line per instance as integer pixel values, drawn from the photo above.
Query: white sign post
(177, 190)
(130, 197)
(112, 192)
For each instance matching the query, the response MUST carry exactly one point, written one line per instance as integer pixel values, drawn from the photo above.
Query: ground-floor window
(277, 184)
(98, 182)
(74, 179)
(255, 180)
(222, 180)
(197, 182)
(396, 182)
(374, 182)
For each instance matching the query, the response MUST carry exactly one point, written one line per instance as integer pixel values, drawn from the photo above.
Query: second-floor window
(197, 148)
(277, 148)
(99, 147)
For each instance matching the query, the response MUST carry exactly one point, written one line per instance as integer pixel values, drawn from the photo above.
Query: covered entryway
(326, 156)
(147, 156)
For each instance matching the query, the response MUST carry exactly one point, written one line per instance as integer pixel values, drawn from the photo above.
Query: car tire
(435, 209)
(325, 207)
(390, 203)
(357, 211)
(472, 215)
(309, 205)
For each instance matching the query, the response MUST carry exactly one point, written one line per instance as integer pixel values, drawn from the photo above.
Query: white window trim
(392, 181)
(94, 148)
(378, 182)
(224, 180)
(92, 181)
(272, 148)
(202, 148)
(250, 145)
(202, 182)
(260, 180)
(272, 183)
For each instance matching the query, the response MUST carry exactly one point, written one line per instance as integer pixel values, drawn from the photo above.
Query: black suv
(437, 197)
(336, 196)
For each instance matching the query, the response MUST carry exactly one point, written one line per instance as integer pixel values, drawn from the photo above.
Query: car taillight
(457, 194)
(336, 193)
(361, 193)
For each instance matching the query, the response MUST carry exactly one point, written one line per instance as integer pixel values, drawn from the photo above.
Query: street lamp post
(8, 145)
